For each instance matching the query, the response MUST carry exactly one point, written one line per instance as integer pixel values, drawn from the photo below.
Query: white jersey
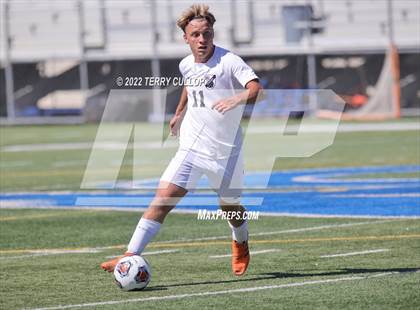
(205, 130)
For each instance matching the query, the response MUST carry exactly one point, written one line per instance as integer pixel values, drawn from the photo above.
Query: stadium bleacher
(120, 34)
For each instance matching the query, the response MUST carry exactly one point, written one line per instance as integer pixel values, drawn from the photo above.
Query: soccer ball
(132, 273)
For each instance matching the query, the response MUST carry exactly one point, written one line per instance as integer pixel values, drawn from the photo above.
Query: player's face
(199, 36)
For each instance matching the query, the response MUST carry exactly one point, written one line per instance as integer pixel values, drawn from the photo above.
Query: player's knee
(229, 200)
(231, 206)
(164, 203)
(157, 212)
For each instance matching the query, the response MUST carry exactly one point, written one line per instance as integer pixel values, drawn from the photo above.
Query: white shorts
(225, 176)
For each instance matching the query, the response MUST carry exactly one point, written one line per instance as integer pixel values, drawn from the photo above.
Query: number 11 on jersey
(201, 94)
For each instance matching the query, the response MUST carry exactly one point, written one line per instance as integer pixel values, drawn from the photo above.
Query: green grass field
(51, 257)
(66, 279)
(63, 169)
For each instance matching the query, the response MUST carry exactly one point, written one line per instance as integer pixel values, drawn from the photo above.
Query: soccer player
(208, 120)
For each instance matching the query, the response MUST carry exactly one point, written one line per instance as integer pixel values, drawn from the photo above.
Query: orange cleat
(110, 265)
(240, 257)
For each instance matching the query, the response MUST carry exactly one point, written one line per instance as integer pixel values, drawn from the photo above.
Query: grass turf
(61, 279)
(64, 169)
(41, 281)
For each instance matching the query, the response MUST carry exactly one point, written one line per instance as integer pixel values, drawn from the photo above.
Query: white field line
(15, 164)
(355, 253)
(33, 253)
(145, 201)
(151, 253)
(68, 163)
(23, 204)
(319, 180)
(37, 253)
(215, 293)
(251, 252)
(287, 231)
(172, 144)
(375, 195)
(342, 128)
(341, 216)
(86, 145)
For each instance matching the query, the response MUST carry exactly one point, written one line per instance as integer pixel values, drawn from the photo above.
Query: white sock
(240, 234)
(144, 233)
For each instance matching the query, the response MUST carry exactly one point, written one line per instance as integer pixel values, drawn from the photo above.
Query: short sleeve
(184, 65)
(241, 71)
(181, 67)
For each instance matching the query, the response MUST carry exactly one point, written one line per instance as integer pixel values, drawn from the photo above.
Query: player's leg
(239, 227)
(178, 176)
(166, 198)
(229, 184)
(238, 224)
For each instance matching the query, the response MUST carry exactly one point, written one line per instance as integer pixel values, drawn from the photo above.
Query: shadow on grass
(153, 288)
(286, 275)
(344, 271)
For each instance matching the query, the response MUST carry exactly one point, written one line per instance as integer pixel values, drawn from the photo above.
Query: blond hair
(196, 11)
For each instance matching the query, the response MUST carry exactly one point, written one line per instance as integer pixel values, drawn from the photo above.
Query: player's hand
(174, 125)
(227, 104)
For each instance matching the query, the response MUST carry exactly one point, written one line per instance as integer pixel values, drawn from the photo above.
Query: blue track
(323, 192)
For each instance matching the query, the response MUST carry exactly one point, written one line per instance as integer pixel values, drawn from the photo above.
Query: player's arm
(249, 96)
(181, 108)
